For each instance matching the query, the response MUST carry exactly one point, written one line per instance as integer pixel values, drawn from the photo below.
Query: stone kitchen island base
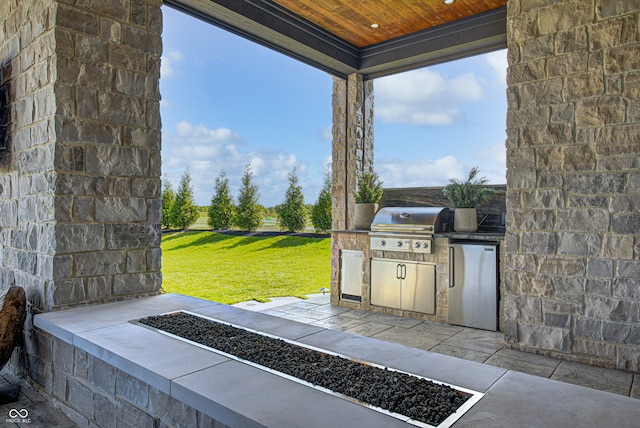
(348, 242)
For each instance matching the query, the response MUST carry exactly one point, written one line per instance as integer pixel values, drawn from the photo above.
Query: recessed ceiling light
(375, 26)
(449, 2)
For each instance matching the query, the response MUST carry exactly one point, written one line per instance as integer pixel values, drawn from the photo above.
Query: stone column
(352, 143)
(80, 195)
(352, 152)
(572, 269)
(107, 151)
(27, 172)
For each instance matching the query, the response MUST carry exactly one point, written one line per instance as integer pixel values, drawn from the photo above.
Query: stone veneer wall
(356, 241)
(80, 196)
(573, 199)
(93, 392)
(352, 151)
(27, 177)
(352, 145)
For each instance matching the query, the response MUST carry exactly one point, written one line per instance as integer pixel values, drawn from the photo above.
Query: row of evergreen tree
(180, 211)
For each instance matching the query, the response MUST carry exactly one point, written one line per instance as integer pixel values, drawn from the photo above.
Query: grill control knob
(425, 245)
(398, 243)
(416, 244)
(383, 243)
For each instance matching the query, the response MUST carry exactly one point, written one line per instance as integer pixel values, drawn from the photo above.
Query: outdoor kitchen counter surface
(240, 395)
(481, 236)
(475, 236)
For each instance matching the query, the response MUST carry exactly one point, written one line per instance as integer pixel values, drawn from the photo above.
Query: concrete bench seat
(104, 370)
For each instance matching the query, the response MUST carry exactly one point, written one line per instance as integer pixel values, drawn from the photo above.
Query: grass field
(231, 269)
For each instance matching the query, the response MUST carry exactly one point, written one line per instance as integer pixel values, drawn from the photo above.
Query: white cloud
(435, 173)
(202, 134)
(425, 97)
(327, 133)
(418, 172)
(265, 161)
(496, 153)
(498, 62)
(168, 60)
(206, 152)
(327, 162)
(493, 163)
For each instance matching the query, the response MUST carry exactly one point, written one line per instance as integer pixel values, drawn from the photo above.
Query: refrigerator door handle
(452, 269)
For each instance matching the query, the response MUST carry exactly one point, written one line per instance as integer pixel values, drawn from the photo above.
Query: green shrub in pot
(368, 188)
(465, 196)
(368, 193)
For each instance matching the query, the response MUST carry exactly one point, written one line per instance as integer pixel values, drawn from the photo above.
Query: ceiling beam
(465, 37)
(270, 25)
(273, 26)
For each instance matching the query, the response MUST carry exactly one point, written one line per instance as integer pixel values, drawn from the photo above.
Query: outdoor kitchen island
(346, 244)
(412, 233)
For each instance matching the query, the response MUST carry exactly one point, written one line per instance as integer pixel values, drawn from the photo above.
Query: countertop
(477, 236)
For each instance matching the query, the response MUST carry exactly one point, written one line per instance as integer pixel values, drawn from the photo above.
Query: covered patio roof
(371, 37)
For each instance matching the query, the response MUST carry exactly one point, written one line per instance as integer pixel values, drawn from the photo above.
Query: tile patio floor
(476, 345)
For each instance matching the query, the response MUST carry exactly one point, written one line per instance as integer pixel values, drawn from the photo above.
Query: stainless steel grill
(407, 229)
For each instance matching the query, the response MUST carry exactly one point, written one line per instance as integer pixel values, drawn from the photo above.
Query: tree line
(179, 210)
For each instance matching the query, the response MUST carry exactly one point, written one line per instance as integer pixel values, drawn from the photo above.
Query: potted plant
(368, 193)
(465, 196)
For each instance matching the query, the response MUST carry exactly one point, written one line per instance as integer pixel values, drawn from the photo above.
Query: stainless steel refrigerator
(473, 284)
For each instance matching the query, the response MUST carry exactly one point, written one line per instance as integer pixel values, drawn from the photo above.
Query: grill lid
(409, 219)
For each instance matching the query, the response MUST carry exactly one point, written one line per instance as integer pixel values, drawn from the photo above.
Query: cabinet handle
(398, 271)
(451, 268)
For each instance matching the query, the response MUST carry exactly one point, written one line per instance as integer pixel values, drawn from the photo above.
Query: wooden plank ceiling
(352, 20)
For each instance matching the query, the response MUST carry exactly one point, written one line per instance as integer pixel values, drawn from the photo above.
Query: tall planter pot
(364, 214)
(465, 220)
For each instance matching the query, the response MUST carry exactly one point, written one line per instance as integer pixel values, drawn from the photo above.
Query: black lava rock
(408, 395)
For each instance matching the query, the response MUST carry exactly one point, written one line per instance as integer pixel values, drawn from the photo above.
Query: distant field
(269, 224)
(232, 269)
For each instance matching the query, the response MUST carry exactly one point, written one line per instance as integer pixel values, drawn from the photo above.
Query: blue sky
(228, 102)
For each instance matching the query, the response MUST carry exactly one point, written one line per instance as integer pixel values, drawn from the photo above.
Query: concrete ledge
(65, 324)
(153, 358)
(127, 370)
(519, 399)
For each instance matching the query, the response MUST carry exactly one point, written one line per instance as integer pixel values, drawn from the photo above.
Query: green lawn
(232, 269)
